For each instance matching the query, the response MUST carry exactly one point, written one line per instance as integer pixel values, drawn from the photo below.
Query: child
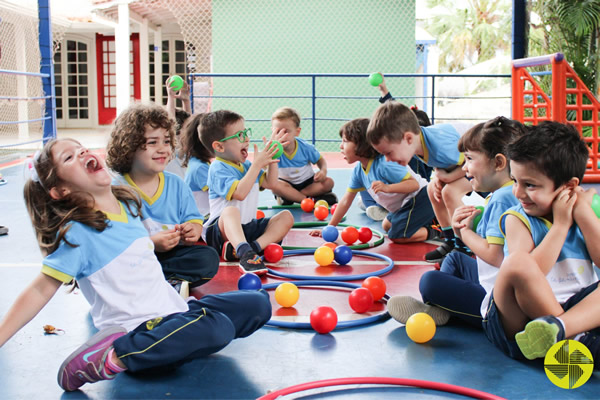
(175, 166)
(197, 159)
(144, 324)
(297, 180)
(392, 185)
(547, 275)
(461, 284)
(141, 143)
(233, 183)
(395, 132)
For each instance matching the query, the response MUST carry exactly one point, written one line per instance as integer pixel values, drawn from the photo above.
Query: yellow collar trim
(121, 217)
(238, 166)
(144, 196)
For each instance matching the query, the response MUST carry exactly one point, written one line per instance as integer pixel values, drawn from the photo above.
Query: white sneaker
(361, 205)
(377, 213)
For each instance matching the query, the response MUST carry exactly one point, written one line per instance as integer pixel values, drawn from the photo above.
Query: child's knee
(386, 224)
(229, 212)
(518, 265)
(285, 217)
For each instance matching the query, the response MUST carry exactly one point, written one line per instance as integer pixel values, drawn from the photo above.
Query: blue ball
(249, 281)
(329, 233)
(342, 255)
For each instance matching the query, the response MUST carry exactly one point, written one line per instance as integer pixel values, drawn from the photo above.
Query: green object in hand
(596, 205)
(477, 218)
(176, 83)
(375, 79)
(279, 149)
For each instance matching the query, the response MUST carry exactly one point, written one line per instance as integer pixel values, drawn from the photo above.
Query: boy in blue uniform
(395, 187)
(297, 180)
(140, 146)
(234, 183)
(546, 289)
(395, 132)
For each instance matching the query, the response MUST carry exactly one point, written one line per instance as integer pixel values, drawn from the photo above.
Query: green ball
(596, 205)
(477, 218)
(279, 149)
(176, 82)
(375, 79)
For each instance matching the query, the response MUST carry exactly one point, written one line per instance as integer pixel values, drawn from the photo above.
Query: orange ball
(350, 235)
(259, 214)
(307, 204)
(376, 286)
(331, 245)
(321, 212)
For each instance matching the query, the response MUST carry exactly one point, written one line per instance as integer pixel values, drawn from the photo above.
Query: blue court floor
(270, 359)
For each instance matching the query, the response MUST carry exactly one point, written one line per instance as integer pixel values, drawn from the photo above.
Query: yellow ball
(322, 203)
(324, 255)
(287, 294)
(420, 327)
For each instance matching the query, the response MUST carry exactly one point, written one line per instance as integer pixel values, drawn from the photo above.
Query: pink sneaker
(86, 364)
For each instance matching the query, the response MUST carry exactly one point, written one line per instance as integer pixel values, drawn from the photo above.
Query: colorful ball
(376, 286)
(420, 327)
(342, 255)
(259, 214)
(350, 235)
(375, 79)
(329, 233)
(287, 294)
(176, 82)
(321, 212)
(323, 256)
(332, 209)
(595, 205)
(279, 149)
(322, 203)
(323, 319)
(364, 234)
(249, 281)
(360, 300)
(477, 217)
(331, 245)
(307, 204)
(273, 253)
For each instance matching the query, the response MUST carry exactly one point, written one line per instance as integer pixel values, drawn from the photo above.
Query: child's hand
(584, 201)
(264, 157)
(382, 86)
(165, 240)
(316, 233)
(190, 232)
(277, 136)
(379, 186)
(320, 176)
(183, 93)
(562, 207)
(437, 187)
(463, 217)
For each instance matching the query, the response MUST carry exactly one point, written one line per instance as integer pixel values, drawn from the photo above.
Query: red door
(106, 67)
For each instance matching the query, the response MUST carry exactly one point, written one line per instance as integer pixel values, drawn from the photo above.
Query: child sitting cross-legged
(395, 187)
(233, 184)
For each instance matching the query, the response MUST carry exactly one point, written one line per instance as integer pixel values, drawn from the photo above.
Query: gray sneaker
(401, 308)
(377, 213)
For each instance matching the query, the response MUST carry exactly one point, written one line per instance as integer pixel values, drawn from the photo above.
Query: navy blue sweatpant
(455, 287)
(209, 325)
(196, 264)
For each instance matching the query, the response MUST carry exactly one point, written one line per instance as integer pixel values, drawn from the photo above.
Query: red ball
(259, 214)
(321, 212)
(332, 209)
(364, 234)
(273, 253)
(361, 300)
(323, 319)
(376, 286)
(350, 235)
(307, 204)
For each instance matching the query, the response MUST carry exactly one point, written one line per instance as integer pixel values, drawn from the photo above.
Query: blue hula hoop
(336, 278)
(340, 324)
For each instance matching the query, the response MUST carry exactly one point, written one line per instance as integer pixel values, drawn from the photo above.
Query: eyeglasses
(240, 135)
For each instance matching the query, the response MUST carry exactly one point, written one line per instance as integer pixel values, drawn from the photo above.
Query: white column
(144, 62)
(21, 64)
(122, 55)
(158, 65)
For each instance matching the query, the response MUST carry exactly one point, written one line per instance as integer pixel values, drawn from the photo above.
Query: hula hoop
(335, 278)
(442, 387)
(340, 324)
(312, 224)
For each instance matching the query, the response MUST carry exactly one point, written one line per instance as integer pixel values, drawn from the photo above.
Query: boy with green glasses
(233, 184)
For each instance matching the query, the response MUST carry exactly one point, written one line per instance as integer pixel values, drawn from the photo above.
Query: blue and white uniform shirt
(223, 179)
(298, 166)
(388, 172)
(172, 204)
(117, 272)
(196, 177)
(440, 146)
(573, 270)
